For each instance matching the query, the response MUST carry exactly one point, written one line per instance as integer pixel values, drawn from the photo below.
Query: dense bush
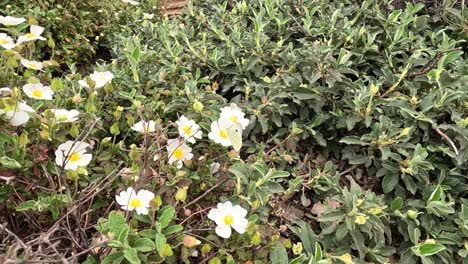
(355, 151)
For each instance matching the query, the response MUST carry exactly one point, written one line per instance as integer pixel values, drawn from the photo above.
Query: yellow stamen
(178, 153)
(135, 203)
(74, 157)
(187, 130)
(30, 35)
(233, 119)
(223, 133)
(228, 220)
(37, 93)
(3, 41)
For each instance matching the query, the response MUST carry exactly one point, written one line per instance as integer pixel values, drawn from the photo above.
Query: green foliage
(356, 150)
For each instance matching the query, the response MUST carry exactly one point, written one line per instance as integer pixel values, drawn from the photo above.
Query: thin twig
(444, 136)
(206, 192)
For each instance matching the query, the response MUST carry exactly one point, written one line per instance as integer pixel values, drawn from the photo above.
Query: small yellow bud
(198, 106)
(181, 194)
(360, 220)
(76, 98)
(375, 210)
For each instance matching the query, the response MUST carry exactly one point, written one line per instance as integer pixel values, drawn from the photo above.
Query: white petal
(145, 196)
(239, 211)
(223, 231)
(142, 210)
(215, 215)
(85, 159)
(240, 224)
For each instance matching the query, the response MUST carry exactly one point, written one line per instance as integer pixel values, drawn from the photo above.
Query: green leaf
(436, 194)
(430, 249)
(332, 216)
(451, 56)
(10, 163)
(144, 245)
(165, 216)
(397, 204)
(123, 235)
(131, 255)
(173, 229)
(235, 136)
(25, 206)
(318, 252)
(114, 258)
(160, 242)
(117, 223)
(389, 182)
(278, 254)
(353, 140)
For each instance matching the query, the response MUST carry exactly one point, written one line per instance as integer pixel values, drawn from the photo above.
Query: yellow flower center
(74, 157)
(32, 65)
(233, 119)
(3, 41)
(136, 203)
(102, 78)
(178, 153)
(187, 130)
(37, 93)
(223, 133)
(228, 220)
(30, 35)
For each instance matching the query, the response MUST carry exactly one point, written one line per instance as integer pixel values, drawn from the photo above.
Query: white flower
(33, 65)
(101, 78)
(226, 216)
(6, 41)
(5, 91)
(188, 129)
(144, 126)
(19, 115)
(35, 33)
(178, 152)
(72, 154)
(64, 115)
(233, 115)
(148, 16)
(11, 21)
(38, 91)
(130, 2)
(83, 83)
(219, 133)
(130, 200)
(214, 167)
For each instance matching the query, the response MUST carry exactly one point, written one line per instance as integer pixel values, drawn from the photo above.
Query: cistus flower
(132, 2)
(72, 154)
(144, 126)
(11, 21)
(5, 91)
(38, 91)
(219, 133)
(33, 65)
(129, 200)
(34, 34)
(6, 41)
(226, 217)
(188, 129)
(65, 116)
(178, 152)
(18, 114)
(233, 115)
(101, 78)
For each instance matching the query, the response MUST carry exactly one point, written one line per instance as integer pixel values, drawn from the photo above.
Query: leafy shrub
(356, 147)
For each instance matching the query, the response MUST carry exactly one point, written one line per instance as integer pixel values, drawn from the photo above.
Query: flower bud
(181, 194)
(412, 214)
(190, 241)
(198, 106)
